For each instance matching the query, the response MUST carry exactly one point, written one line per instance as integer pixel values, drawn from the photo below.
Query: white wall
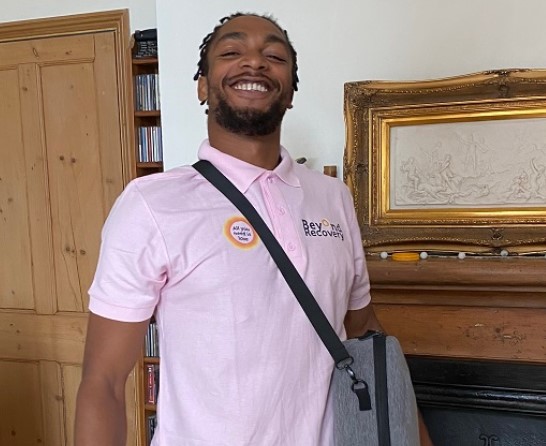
(141, 12)
(344, 41)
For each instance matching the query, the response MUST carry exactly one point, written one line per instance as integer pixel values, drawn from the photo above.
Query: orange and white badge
(240, 233)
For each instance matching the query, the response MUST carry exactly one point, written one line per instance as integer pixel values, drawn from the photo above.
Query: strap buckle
(359, 386)
(344, 363)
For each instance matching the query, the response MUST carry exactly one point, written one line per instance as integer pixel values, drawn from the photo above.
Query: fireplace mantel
(475, 308)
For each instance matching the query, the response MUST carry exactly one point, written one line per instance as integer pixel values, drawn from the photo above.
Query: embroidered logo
(322, 229)
(240, 233)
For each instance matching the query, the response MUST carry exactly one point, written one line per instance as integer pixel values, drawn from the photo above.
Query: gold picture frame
(449, 165)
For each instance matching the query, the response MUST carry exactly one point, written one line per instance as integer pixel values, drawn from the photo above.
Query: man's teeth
(251, 86)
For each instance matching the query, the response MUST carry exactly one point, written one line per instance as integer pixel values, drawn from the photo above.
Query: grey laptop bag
(392, 420)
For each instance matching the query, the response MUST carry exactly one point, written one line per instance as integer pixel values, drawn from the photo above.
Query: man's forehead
(246, 26)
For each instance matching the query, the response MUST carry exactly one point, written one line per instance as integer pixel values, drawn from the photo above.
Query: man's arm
(357, 322)
(111, 350)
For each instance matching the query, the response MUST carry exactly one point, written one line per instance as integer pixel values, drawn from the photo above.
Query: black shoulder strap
(288, 270)
(342, 358)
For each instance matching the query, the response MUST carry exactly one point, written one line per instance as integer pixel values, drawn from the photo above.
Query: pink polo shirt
(240, 361)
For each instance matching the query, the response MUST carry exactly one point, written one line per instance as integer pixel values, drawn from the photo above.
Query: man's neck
(261, 151)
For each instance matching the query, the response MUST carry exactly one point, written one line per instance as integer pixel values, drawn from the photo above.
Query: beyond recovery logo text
(322, 229)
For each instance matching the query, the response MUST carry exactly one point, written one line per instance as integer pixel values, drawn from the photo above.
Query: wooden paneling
(71, 377)
(474, 308)
(110, 120)
(63, 129)
(58, 337)
(16, 282)
(37, 188)
(116, 21)
(53, 402)
(467, 332)
(518, 272)
(54, 50)
(21, 422)
(74, 170)
(134, 398)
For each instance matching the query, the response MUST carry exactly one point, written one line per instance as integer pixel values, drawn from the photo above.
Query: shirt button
(270, 179)
(282, 211)
(291, 246)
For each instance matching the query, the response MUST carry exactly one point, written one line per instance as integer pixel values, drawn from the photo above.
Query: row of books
(151, 341)
(152, 383)
(151, 423)
(150, 146)
(147, 92)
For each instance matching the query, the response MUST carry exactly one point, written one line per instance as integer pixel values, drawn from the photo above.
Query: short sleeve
(133, 262)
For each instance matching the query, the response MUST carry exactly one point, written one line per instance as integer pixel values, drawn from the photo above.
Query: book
(152, 383)
(151, 424)
(151, 341)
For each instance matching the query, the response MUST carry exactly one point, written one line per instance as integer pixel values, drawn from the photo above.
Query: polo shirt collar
(243, 174)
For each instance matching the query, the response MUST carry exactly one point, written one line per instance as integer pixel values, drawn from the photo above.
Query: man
(240, 362)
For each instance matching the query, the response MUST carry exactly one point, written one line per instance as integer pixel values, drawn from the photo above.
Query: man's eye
(276, 58)
(229, 54)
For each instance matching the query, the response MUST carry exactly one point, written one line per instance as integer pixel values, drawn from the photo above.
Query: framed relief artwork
(455, 164)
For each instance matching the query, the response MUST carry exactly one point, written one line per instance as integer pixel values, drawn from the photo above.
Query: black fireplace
(481, 403)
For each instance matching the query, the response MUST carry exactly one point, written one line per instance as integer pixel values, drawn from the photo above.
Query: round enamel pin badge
(240, 233)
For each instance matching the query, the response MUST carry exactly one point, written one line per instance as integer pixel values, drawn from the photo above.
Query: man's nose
(254, 60)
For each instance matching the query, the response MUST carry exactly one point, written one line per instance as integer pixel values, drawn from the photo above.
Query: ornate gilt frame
(489, 102)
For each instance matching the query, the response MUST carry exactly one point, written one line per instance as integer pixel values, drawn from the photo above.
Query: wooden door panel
(36, 177)
(27, 336)
(71, 378)
(16, 282)
(55, 49)
(53, 402)
(84, 175)
(74, 177)
(20, 403)
(64, 157)
(111, 123)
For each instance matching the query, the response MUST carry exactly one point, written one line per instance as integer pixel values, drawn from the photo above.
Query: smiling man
(240, 362)
(247, 76)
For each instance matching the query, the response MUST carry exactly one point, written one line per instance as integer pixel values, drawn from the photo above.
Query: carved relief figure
(475, 164)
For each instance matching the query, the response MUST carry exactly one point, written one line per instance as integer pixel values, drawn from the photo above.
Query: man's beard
(247, 121)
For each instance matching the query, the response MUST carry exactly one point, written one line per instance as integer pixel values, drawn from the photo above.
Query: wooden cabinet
(148, 160)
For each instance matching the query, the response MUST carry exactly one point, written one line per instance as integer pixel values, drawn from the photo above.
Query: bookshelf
(150, 381)
(147, 116)
(148, 160)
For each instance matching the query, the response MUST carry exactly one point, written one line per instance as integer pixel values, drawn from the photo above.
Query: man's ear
(290, 105)
(202, 89)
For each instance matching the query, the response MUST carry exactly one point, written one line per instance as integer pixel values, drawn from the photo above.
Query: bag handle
(322, 326)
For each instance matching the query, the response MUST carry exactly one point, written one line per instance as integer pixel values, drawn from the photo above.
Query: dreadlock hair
(203, 64)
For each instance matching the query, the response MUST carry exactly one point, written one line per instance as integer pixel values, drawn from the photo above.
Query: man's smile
(251, 86)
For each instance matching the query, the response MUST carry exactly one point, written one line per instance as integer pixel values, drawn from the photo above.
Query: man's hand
(357, 322)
